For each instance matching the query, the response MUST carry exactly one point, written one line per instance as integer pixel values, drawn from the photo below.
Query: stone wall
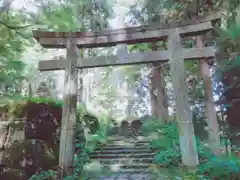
(30, 136)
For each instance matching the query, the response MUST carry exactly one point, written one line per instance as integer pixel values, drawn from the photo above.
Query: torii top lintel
(131, 35)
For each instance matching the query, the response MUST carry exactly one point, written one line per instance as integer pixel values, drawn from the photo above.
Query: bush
(168, 158)
(221, 168)
(93, 142)
(168, 155)
(44, 175)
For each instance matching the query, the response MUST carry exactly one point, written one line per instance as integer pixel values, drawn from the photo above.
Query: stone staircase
(123, 158)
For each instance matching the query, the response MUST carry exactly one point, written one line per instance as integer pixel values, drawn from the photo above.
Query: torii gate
(175, 54)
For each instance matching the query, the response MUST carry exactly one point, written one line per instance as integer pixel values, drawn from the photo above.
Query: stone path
(124, 158)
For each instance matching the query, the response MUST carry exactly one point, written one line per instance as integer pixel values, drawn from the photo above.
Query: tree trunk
(210, 112)
(30, 91)
(129, 110)
(159, 106)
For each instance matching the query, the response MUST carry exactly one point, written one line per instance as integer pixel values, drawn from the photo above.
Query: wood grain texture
(68, 124)
(131, 35)
(133, 58)
(183, 113)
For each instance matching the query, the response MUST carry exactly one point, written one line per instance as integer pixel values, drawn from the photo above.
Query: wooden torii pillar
(69, 117)
(141, 34)
(68, 123)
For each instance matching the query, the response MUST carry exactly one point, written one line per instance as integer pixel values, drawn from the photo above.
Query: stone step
(121, 145)
(123, 151)
(134, 139)
(126, 161)
(119, 171)
(130, 127)
(131, 131)
(124, 167)
(115, 156)
(120, 166)
(135, 166)
(109, 148)
(131, 135)
(123, 176)
(129, 176)
(120, 137)
(129, 142)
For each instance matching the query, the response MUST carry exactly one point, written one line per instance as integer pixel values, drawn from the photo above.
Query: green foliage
(233, 31)
(168, 158)
(167, 145)
(168, 134)
(16, 105)
(93, 142)
(221, 167)
(151, 125)
(44, 175)
(80, 159)
(143, 47)
(47, 101)
(99, 139)
(12, 44)
(74, 15)
(168, 155)
(228, 66)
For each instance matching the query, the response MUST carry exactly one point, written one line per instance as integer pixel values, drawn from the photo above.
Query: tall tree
(159, 102)
(13, 28)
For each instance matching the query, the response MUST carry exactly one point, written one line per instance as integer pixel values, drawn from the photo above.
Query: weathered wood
(183, 113)
(133, 58)
(210, 111)
(127, 35)
(68, 126)
(164, 25)
(134, 34)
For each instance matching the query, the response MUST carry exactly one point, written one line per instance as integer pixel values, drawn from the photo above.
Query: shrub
(220, 168)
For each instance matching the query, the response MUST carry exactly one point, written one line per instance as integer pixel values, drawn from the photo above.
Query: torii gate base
(175, 54)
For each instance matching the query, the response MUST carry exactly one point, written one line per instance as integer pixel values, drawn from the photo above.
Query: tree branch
(14, 27)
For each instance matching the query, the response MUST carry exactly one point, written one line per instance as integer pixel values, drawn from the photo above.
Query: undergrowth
(94, 141)
(86, 142)
(168, 156)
